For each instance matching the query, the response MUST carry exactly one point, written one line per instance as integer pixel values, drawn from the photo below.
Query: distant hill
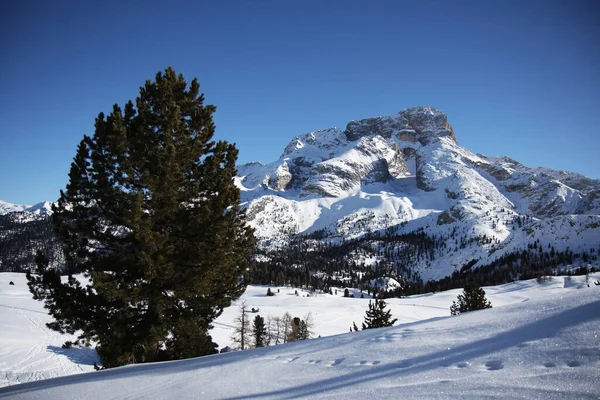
(24, 230)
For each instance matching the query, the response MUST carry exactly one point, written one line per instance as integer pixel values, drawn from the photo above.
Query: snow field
(539, 341)
(28, 350)
(334, 314)
(542, 343)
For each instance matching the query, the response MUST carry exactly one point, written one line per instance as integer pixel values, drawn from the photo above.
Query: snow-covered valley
(541, 340)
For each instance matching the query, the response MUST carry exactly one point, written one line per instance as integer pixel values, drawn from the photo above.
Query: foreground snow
(540, 341)
(28, 350)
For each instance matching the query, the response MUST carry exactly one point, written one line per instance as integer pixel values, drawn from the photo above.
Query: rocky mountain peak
(402, 188)
(417, 124)
(426, 122)
(321, 141)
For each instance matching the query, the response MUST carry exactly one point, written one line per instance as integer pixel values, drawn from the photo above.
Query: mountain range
(398, 196)
(40, 209)
(25, 230)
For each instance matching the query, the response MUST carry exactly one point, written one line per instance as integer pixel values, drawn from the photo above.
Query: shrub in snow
(472, 298)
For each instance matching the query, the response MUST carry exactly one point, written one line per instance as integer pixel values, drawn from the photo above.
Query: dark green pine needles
(472, 298)
(377, 316)
(151, 219)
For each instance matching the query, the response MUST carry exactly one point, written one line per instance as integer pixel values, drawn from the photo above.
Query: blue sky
(516, 78)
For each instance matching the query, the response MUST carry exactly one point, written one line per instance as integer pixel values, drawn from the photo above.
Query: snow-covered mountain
(23, 231)
(422, 205)
(407, 174)
(41, 209)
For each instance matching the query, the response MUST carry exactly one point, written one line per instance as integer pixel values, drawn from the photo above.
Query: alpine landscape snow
(389, 205)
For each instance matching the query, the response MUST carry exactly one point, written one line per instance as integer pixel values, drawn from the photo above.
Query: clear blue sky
(516, 78)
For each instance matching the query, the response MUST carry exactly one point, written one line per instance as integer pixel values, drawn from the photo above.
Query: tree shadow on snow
(78, 355)
(126, 371)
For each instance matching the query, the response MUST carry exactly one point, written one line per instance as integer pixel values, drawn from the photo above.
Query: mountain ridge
(408, 174)
(41, 208)
(390, 180)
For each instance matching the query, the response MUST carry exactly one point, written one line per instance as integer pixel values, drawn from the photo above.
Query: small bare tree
(241, 334)
(276, 330)
(286, 323)
(306, 331)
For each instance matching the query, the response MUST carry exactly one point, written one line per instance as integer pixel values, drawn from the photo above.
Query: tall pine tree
(152, 219)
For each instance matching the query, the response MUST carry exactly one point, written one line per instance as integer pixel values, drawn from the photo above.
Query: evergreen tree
(377, 317)
(300, 329)
(259, 332)
(152, 219)
(472, 298)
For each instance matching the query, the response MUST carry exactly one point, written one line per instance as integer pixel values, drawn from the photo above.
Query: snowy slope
(28, 350)
(6, 208)
(408, 173)
(543, 345)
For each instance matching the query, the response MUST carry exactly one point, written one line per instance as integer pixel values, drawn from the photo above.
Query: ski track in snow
(29, 351)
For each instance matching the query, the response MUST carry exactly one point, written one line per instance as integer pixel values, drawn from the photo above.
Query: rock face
(427, 124)
(407, 174)
(331, 162)
(372, 159)
(418, 124)
(382, 126)
(281, 178)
